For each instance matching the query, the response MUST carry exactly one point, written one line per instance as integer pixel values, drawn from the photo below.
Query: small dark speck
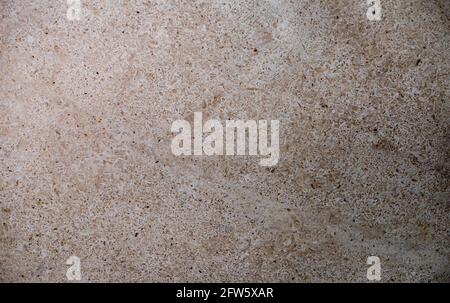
(136, 234)
(418, 62)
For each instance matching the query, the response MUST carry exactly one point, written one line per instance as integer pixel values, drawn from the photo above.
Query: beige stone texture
(86, 167)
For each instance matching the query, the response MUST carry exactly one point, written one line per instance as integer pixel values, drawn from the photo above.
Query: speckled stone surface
(86, 167)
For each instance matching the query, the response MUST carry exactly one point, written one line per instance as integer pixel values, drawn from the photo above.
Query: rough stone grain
(85, 162)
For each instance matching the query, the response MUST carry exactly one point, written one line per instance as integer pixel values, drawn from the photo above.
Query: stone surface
(86, 167)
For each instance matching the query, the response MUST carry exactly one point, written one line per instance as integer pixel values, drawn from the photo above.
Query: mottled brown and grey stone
(86, 168)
